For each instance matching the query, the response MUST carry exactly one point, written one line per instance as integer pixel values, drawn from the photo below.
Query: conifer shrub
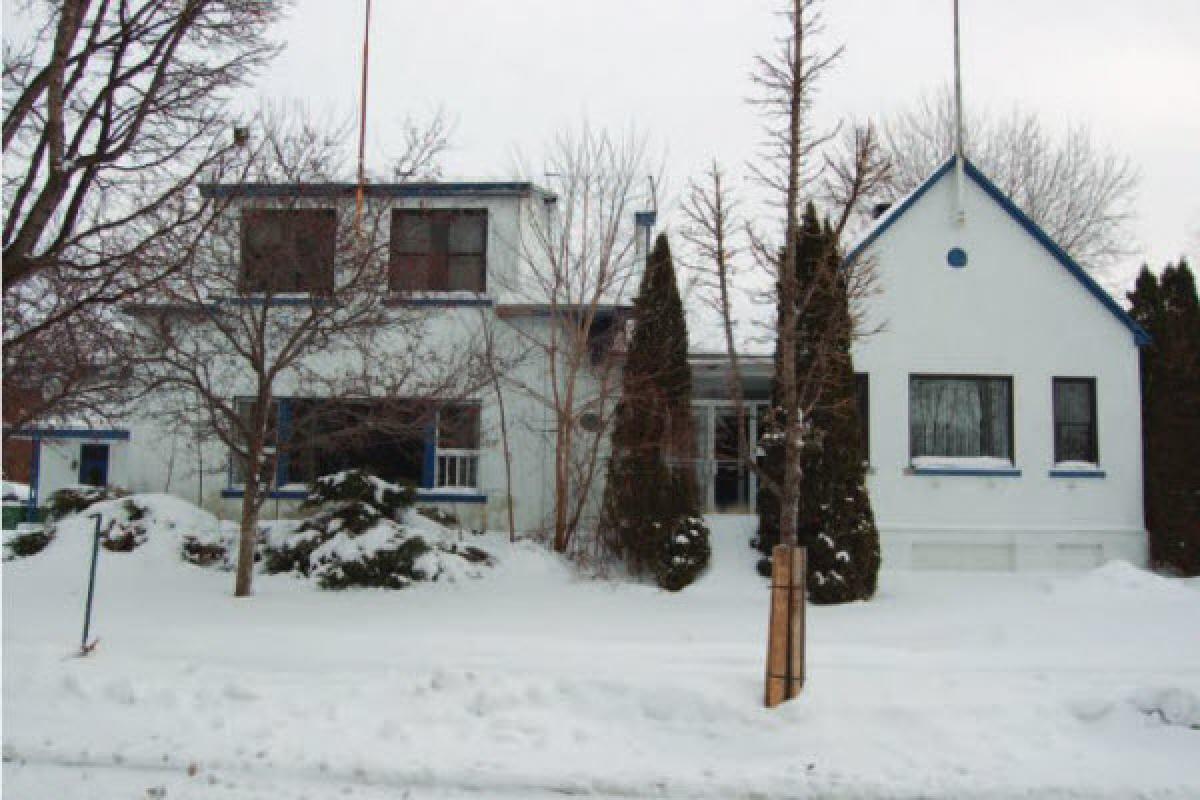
(359, 536)
(26, 543)
(75, 499)
(836, 523)
(685, 554)
(650, 517)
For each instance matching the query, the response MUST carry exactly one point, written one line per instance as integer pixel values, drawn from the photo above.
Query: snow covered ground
(532, 683)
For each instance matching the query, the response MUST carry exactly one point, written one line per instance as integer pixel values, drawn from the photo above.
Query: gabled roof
(1140, 337)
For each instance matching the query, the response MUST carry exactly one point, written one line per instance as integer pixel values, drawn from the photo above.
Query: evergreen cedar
(1168, 310)
(651, 517)
(836, 523)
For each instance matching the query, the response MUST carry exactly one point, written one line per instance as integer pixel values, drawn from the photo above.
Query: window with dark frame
(960, 416)
(1075, 437)
(438, 250)
(288, 251)
(862, 396)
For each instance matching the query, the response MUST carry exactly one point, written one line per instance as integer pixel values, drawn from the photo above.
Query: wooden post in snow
(785, 634)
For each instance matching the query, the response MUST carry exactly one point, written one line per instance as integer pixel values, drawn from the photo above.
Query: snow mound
(1172, 705)
(1118, 578)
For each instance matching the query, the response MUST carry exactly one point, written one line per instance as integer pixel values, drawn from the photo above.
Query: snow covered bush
(354, 486)
(364, 534)
(22, 543)
(74, 499)
(686, 553)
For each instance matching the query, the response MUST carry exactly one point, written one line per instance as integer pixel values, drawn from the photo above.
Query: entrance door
(93, 464)
(731, 478)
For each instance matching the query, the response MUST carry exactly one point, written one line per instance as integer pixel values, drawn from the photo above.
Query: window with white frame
(457, 460)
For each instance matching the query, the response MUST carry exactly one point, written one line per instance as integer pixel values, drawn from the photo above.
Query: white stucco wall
(1013, 310)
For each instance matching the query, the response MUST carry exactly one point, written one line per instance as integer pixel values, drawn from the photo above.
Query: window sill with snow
(974, 466)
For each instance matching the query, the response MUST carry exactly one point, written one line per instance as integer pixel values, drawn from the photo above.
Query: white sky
(513, 73)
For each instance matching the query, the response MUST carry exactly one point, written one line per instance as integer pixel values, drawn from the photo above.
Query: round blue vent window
(957, 257)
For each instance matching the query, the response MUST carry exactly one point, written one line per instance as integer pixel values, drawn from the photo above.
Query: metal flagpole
(362, 122)
(960, 211)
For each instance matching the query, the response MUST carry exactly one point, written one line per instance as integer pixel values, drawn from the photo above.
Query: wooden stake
(785, 633)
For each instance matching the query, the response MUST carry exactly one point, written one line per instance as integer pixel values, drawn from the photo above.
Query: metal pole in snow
(84, 649)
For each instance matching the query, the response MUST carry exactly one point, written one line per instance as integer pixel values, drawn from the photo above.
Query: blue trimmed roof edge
(342, 189)
(111, 434)
(1140, 337)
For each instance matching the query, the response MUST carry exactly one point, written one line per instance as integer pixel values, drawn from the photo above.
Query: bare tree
(1080, 193)
(303, 310)
(578, 266)
(499, 356)
(790, 169)
(112, 110)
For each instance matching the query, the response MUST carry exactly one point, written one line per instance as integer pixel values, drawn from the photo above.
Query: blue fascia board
(343, 189)
(895, 213)
(447, 497)
(1140, 337)
(274, 494)
(107, 434)
(442, 302)
(1077, 473)
(964, 472)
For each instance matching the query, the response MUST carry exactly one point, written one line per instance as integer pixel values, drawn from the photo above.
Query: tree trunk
(248, 529)
(562, 476)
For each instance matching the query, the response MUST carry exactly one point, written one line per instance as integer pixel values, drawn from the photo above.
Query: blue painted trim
(899, 211)
(108, 434)
(446, 497)
(429, 459)
(1140, 337)
(438, 302)
(274, 494)
(35, 476)
(269, 302)
(283, 422)
(416, 189)
(962, 472)
(1077, 473)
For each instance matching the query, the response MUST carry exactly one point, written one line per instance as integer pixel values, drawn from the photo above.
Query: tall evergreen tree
(837, 525)
(1168, 310)
(651, 516)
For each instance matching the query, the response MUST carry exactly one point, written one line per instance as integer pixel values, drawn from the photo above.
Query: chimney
(644, 222)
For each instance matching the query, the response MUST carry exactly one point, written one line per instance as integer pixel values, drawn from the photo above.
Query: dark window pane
(288, 250)
(960, 417)
(438, 250)
(1074, 420)
(862, 393)
(331, 436)
(467, 233)
(458, 427)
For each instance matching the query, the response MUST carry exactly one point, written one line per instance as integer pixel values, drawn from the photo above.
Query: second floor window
(439, 250)
(288, 251)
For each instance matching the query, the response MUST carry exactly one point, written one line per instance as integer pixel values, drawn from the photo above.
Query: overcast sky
(514, 72)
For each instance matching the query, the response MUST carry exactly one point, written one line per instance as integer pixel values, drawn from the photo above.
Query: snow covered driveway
(532, 683)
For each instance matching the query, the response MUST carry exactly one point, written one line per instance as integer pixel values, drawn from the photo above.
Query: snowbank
(534, 683)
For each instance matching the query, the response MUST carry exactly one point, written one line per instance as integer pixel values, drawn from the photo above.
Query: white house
(1001, 392)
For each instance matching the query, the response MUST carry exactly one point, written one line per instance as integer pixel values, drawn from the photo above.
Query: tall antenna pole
(362, 122)
(960, 210)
